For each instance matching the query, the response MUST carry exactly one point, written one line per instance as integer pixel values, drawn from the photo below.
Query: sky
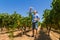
(22, 6)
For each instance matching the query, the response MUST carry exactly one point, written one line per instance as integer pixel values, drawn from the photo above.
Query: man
(35, 19)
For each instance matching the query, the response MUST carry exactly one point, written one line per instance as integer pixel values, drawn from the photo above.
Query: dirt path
(54, 36)
(40, 36)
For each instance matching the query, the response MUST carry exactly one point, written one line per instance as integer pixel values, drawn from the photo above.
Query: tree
(52, 17)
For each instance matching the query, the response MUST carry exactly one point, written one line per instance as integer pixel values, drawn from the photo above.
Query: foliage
(52, 17)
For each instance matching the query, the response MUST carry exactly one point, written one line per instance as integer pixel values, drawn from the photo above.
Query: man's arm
(37, 18)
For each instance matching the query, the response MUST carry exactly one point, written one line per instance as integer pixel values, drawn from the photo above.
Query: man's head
(34, 12)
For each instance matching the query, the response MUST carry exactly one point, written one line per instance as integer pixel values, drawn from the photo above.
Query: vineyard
(13, 24)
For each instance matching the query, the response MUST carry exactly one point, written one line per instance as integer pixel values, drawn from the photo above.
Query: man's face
(34, 12)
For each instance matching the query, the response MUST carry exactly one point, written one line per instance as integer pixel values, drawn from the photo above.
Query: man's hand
(37, 19)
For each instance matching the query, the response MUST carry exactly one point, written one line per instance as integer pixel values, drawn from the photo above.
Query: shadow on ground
(19, 35)
(8, 32)
(22, 33)
(28, 35)
(55, 31)
(42, 36)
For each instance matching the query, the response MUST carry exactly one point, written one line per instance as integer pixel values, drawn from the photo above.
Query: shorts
(34, 25)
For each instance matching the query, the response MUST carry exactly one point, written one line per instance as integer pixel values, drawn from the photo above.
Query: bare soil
(40, 36)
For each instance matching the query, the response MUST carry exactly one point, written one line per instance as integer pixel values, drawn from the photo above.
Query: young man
(35, 19)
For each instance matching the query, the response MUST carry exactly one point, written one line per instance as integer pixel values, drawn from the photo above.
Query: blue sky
(22, 6)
